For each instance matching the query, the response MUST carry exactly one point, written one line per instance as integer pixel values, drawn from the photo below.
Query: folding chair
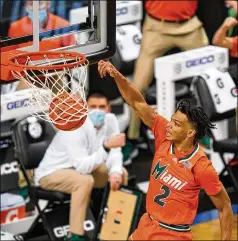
(203, 96)
(31, 137)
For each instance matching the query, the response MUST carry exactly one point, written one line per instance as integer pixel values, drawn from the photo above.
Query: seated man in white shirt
(77, 161)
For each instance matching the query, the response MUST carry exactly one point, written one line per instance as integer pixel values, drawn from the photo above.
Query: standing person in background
(167, 24)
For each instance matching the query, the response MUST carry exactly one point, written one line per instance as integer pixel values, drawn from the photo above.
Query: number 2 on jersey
(160, 198)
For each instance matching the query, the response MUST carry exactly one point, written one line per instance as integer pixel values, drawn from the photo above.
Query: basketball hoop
(56, 78)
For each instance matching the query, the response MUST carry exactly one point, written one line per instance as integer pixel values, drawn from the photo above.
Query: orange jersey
(171, 10)
(176, 179)
(149, 229)
(24, 27)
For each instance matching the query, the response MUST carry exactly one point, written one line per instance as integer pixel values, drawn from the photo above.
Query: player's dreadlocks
(198, 117)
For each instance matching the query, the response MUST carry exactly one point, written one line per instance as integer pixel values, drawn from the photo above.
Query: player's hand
(115, 180)
(116, 141)
(105, 68)
(230, 22)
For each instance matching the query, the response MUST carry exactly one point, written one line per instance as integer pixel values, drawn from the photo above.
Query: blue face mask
(97, 117)
(42, 15)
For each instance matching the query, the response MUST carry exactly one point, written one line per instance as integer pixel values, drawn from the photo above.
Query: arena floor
(210, 230)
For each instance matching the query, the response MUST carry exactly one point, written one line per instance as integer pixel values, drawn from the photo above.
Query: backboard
(85, 26)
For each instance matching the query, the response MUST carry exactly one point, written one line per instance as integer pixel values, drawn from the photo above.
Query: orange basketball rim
(49, 74)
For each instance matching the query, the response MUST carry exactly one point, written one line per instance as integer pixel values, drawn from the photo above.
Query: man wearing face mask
(48, 21)
(78, 161)
(106, 125)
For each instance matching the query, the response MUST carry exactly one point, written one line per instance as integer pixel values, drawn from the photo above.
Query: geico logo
(11, 216)
(63, 231)
(17, 104)
(9, 168)
(122, 11)
(196, 62)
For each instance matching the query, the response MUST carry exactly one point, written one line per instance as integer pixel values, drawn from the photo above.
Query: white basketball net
(46, 85)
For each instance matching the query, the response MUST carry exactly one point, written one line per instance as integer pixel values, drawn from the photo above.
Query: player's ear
(191, 133)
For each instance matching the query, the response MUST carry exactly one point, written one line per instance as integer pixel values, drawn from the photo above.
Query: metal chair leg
(229, 170)
(46, 224)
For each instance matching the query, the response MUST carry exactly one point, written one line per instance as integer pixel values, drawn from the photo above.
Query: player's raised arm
(129, 92)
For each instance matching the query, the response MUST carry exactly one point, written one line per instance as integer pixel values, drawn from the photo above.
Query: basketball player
(179, 169)
(86, 158)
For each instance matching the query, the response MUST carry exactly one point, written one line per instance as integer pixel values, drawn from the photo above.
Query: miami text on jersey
(161, 172)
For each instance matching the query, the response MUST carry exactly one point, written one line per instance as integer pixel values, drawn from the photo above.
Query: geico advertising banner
(190, 63)
(222, 89)
(17, 104)
(59, 219)
(128, 39)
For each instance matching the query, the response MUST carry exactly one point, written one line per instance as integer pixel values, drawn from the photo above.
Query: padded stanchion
(128, 40)
(215, 92)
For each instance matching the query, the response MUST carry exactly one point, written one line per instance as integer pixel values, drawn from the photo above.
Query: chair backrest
(31, 137)
(204, 99)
